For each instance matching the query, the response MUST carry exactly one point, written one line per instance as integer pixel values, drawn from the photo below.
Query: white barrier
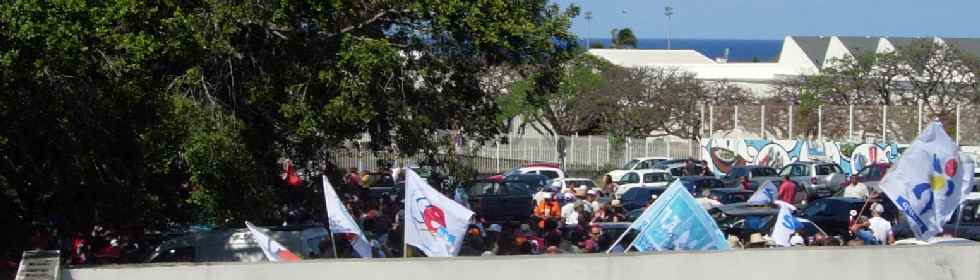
(916, 262)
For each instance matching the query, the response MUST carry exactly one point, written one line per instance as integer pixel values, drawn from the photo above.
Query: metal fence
(856, 124)
(583, 154)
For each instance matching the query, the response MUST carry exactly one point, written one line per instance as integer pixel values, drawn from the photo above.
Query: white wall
(949, 262)
(835, 50)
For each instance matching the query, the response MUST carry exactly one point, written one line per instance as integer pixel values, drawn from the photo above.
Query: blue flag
(765, 194)
(677, 222)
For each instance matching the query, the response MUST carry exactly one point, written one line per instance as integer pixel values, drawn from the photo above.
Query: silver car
(821, 179)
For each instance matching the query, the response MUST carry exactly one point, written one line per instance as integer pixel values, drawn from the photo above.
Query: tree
(167, 113)
(623, 39)
(596, 45)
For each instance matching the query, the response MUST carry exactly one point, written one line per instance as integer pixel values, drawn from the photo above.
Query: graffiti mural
(722, 154)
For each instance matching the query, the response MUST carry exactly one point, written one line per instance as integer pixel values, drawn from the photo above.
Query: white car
(564, 184)
(938, 240)
(548, 170)
(636, 164)
(643, 178)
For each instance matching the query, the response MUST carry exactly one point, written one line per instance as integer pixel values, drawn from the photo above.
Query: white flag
(785, 225)
(274, 251)
(929, 181)
(765, 194)
(341, 221)
(434, 223)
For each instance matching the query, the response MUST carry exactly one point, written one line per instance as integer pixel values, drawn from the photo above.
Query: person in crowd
(553, 250)
(592, 196)
(756, 241)
(546, 210)
(608, 186)
(819, 239)
(689, 168)
(603, 215)
(570, 187)
(617, 212)
(582, 198)
(707, 201)
(552, 235)
(571, 217)
(601, 241)
(862, 233)
(880, 227)
(745, 183)
(473, 244)
(353, 179)
(856, 189)
(797, 240)
(787, 190)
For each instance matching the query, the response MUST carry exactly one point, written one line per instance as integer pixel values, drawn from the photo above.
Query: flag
(274, 251)
(765, 194)
(786, 224)
(929, 182)
(676, 221)
(434, 223)
(341, 221)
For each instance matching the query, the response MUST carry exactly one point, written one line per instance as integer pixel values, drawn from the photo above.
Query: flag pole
(621, 236)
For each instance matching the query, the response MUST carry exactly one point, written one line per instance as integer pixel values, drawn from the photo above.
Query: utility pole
(668, 11)
(588, 29)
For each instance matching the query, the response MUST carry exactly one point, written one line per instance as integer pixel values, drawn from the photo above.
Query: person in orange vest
(547, 209)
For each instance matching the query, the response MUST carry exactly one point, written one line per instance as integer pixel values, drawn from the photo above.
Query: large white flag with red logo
(434, 223)
(929, 181)
(342, 222)
(274, 251)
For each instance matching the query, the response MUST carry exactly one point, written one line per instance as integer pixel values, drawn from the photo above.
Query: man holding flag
(341, 221)
(786, 224)
(434, 223)
(929, 182)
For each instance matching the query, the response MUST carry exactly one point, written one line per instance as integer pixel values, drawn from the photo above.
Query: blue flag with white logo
(929, 182)
(676, 221)
(765, 194)
(786, 225)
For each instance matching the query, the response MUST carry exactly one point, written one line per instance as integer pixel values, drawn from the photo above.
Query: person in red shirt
(787, 190)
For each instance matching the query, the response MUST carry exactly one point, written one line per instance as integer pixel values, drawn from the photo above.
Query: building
(800, 55)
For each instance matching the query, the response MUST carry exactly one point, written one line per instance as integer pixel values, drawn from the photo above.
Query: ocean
(739, 50)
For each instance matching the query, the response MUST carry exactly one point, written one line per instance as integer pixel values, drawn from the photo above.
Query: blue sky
(774, 19)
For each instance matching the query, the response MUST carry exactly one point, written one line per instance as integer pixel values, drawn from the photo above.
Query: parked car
(820, 179)
(834, 213)
(676, 167)
(534, 182)
(636, 198)
(968, 218)
(731, 195)
(871, 175)
(500, 201)
(635, 164)
(697, 184)
(757, 174)
(744, 219)
(550, 170)
(578, 182)
(237, 245)
(643, 178)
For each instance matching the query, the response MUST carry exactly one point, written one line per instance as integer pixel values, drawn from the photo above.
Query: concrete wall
(917, 262)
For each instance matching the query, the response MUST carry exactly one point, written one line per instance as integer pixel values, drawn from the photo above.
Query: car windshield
(629, 165)
(763, 172)
(656, 177)
(587, 183)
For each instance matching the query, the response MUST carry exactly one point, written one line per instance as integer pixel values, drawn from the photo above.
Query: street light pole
(668, 11)
(588, 29)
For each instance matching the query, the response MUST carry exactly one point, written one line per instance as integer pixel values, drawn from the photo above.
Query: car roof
(751, 166)
(649, 158)
(651, 170)
(696, 178)
(543, 164)
(731, 190)
(576, 179)
(747, 209)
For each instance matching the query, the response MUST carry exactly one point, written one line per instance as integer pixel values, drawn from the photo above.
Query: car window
(815, 209)
(656, 177)
(549, 173)
(484, 188)
(763, 172)
(787, 170)
(516, 187)
(643, 165)
(630, 178)
(823, 170)
(629, 165)
(970, 213)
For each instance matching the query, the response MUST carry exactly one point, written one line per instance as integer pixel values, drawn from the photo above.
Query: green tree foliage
(168, 112)
(623, 39)
(596, 45)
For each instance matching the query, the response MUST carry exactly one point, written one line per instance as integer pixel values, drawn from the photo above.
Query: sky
(775, 19)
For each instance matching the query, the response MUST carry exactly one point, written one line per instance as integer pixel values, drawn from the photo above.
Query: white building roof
(640, 58)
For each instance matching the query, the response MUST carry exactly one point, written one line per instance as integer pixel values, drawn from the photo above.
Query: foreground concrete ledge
(823, 263)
